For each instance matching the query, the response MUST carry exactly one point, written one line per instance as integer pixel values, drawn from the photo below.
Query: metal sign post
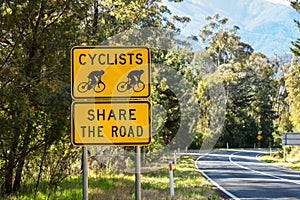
(84, 174)
(138, 195)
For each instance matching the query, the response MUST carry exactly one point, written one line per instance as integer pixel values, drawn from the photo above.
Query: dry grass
(189, 184)
(292, 159)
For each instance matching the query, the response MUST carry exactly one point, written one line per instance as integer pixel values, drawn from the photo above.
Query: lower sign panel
(111, 123)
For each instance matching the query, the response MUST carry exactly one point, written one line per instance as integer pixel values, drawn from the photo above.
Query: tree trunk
(19, 170)
(21, 162)
(11, 164)
(41, 169)
(8, 179)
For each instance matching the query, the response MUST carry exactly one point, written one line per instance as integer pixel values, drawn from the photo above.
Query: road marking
(263, 173)
(216, 184)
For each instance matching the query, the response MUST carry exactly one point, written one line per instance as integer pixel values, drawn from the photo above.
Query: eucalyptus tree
(292, 78)
(296, 44)
(248, 78)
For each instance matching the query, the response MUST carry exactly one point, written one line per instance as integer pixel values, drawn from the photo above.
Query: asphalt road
(240, 175)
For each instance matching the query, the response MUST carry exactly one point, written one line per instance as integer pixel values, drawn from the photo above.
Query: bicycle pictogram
(134, 81)
(94, 81)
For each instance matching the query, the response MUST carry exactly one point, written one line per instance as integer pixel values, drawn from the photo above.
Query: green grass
(292, 162)
(189, 184)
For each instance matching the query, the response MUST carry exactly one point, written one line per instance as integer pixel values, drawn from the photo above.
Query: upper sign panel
(110, 72)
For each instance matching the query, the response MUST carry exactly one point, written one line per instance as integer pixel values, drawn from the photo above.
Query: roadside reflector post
(227, 145)
(284, 154)
(171, 179)
(175, 158)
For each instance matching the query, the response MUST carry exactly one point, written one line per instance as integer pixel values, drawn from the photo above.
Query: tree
(225, 56)
(248, 81)
(292, 86)
(296, 44)
(292, 78)
(224, 45)
(104, 19)
(265, 93)
(36, 37)
(177, 100)
(33, 70)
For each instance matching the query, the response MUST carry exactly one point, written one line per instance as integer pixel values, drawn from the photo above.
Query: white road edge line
(263, 173)
(216, 184)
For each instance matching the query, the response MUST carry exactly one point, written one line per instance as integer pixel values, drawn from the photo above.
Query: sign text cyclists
(110, 72)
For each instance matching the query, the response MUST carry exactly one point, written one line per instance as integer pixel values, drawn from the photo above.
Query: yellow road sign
(110, 72)
(111, 123)
(259, 137)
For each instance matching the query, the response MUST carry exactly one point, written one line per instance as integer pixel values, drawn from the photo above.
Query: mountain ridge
(267, 26)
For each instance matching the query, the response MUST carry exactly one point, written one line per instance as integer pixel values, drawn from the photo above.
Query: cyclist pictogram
(134, 81)
(94, 81)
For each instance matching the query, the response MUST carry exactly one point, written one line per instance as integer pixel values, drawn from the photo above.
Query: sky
(284, 2)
